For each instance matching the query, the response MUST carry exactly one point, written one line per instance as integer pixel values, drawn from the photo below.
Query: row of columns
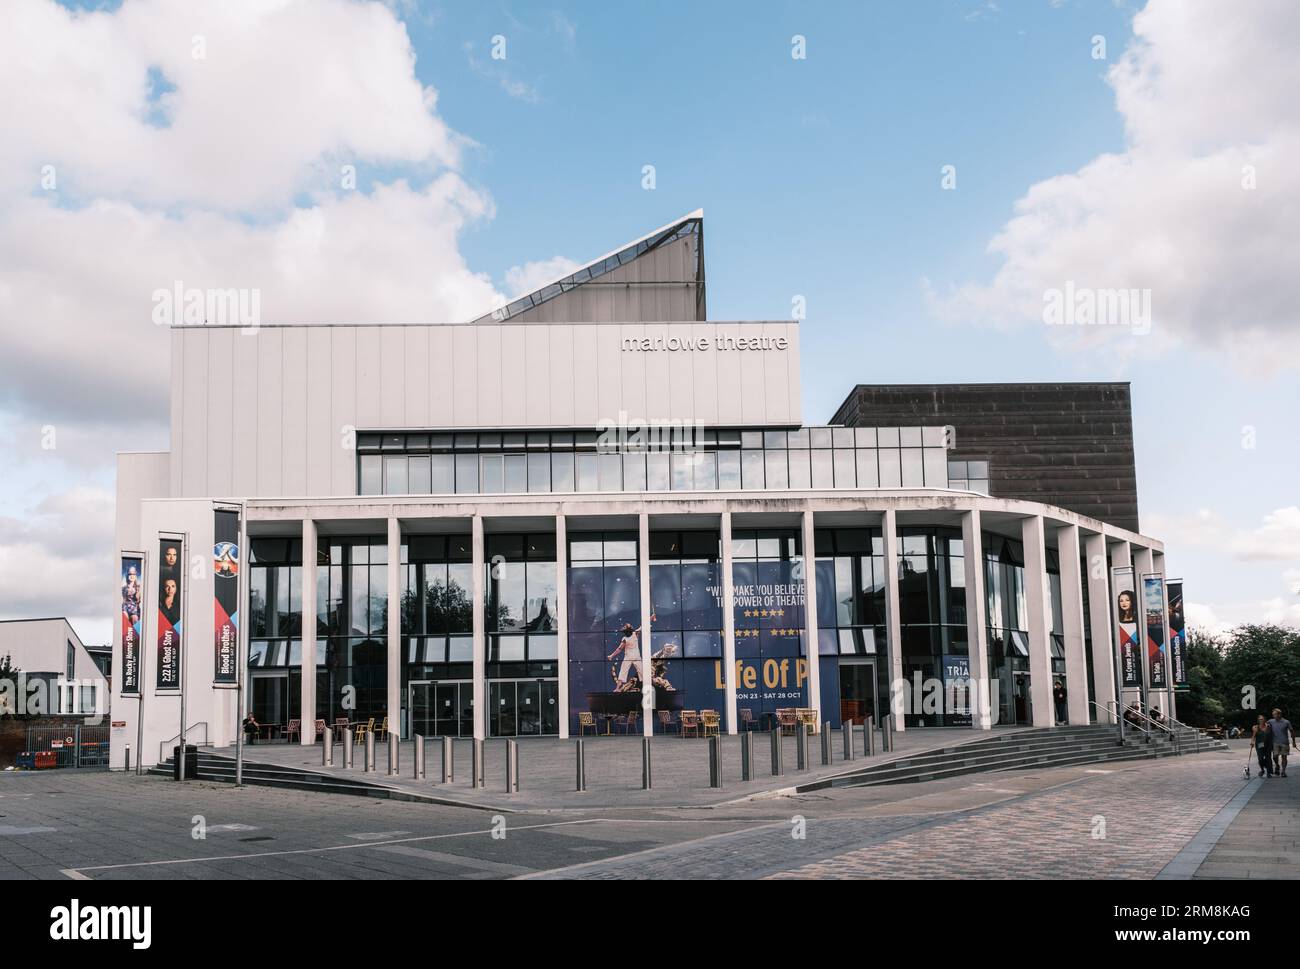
(1037, 595)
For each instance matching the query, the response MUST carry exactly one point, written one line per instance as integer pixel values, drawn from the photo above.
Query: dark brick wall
(1067, 444)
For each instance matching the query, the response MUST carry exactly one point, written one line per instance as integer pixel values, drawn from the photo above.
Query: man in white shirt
(630, 647)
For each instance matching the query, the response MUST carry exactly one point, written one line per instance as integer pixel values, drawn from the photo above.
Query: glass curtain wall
(768, 611)
(851, 623)
(438, 636)
(275, 631)
(352, 623)
(932, 617)
(523, 656)
(686, 642)
(604, 594)
(1008, 626)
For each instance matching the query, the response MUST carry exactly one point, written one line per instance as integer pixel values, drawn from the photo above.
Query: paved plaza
(1125, 821)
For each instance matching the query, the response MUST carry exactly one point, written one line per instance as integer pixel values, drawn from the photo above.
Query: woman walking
(1261, 738)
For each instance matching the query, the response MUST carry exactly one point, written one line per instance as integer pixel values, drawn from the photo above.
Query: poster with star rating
(769, 608)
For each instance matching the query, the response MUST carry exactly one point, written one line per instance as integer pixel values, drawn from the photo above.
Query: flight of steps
(218, 767)
(1025, 749)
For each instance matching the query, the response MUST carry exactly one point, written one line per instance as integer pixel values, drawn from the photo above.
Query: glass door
(529, 693)
(550, 706)
(271, 698)
(503, 710)
(857, 691)
(421, 701)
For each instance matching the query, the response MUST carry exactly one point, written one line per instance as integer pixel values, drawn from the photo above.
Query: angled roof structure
(656, 278)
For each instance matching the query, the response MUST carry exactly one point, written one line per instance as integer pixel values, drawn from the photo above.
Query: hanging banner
(768, 609)
(132, 624)
(1153, 600)
(1126, 627)
(225, 596)
(170, 576)
(1177, 632)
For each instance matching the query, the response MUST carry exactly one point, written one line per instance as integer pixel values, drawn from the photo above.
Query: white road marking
(74, 874)
(377, 835)
(10, 829)
(231, 827)
(462, 861)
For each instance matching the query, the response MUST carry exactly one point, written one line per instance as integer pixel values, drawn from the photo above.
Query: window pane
(706, 470)
(395, 474)
(442, 476)
(777, 476)
(823, 469)
(539, 473)
(562, 472)
(634, 472)
(586, 472)
(845, 473)
(800, 469)
(729, 470)
(681, 465)
(418, 474)
(493, 475)
(371, 471)
(657, 472)
(610, 471)
(868, 473)
(936, 468)
(516, 474)
(913, 475)
(891, 472)
(467, 474)
(909, 436)
(751, 468)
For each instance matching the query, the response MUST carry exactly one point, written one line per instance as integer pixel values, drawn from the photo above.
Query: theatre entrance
(857, 691)
(441, 708)
(523, 708)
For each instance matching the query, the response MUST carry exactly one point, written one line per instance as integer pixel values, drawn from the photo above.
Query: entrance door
(271, 697)
(857, 691)
(441, 709)
(503, 710)
(524, 708)
(422, 703)
(1020, 698)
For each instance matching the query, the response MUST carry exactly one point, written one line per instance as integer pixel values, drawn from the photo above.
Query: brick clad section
(1066, 444)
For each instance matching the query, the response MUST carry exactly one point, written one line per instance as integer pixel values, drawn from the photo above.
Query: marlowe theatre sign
(721, 341)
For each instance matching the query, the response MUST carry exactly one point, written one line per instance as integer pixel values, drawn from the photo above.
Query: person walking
(1283, 739)
(1261, 740)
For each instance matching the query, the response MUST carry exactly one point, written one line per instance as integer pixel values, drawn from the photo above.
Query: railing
(1109, 710)
(165, 746)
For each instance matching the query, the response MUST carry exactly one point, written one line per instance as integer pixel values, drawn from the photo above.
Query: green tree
(1204, 703)
(1260, 671)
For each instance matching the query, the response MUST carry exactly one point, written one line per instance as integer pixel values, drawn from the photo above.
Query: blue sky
(820, 177)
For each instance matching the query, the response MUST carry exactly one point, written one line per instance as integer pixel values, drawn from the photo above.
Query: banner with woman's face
(170, 577)
(1126, 626)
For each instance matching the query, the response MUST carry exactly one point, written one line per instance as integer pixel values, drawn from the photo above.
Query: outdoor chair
(320, 729)
(666, 722)
(690, 720)
(630, 722)
(711, 723)
(585, 720)
(808, 717)
(787, 721)
(363, 729)
(747, 721)
(293, 730)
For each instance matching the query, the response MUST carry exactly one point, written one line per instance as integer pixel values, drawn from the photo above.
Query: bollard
(127, 768)
(747, 756)
(869, 741)
(393, 765)
(715, 762)
(801, 748)
(347, 748)
(777, 768)
(476, 764)
(327, 748)
(887, 734)
(512, 767)
(646, 779)
(826, 743)
(419, 757)
(581, 781)
(448, 760)
(847, 730)
(370, 752)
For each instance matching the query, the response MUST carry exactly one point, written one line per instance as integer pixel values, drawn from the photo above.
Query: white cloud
(522, 280)
(1205, 90)
(1276, 539)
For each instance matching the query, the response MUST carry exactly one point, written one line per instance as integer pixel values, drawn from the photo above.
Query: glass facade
(686, 639)
(852, 662)
(438, 635)
(523, 652)
(275, 631)
(604, 596)
(688, 459)
(352, 630)
(769, 607)
(932, 618)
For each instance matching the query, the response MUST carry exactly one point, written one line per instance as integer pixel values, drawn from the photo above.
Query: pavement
(1124, 821)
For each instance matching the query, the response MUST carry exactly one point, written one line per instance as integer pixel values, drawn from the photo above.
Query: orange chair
(711, 723)
(585, 720)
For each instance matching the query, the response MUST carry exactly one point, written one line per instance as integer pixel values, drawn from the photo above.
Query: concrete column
(982, 695)
(647, 679)
(1167, 695)
(1076, 662)
(562, 619)
(480, 635)
(394, 626)
(893, 624)
(308, 636)
(810, 615)
(1099, 610)
(728, 627)
(1040, 621)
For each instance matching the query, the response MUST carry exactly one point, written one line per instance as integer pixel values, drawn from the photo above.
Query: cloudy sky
(1154, 146)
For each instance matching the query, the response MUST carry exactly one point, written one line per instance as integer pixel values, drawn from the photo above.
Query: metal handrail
(163, 745)
(1108, 709)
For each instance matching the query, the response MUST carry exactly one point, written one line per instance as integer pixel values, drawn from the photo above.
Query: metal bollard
(869, 741)
(476, 764)
(826, 743)
(580, 783)
(715, 762)
(512, 767)
(393, 766)
(777, 752)
(347, 748)
(801, 749)
(370, 752)
(448, 760)
(887, 734)
(127, 768)
(747, 756)
(847, 730)
(419, 757)
(327, 748)
(646, 778)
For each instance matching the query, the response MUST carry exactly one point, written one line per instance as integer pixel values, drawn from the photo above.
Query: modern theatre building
(451, 526)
